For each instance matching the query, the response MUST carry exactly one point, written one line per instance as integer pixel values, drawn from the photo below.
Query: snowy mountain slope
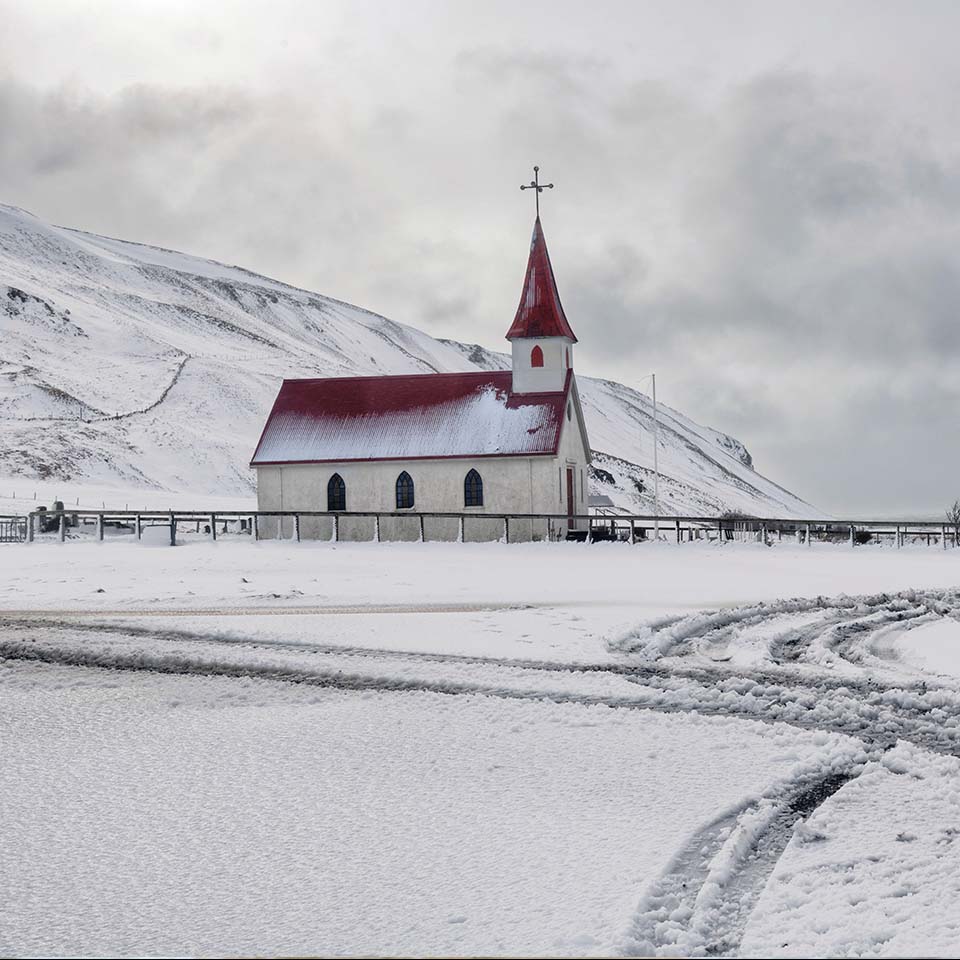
(132, 366)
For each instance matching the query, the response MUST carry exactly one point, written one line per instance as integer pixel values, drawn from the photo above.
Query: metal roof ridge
(396, 376)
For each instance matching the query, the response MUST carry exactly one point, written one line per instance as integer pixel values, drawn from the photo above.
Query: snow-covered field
(205, 816)
(452, 749)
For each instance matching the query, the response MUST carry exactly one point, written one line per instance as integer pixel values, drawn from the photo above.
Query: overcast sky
(759, 201)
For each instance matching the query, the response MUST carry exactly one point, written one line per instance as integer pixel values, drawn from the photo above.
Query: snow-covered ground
(202, 816)
(655, 577)
(456, 749)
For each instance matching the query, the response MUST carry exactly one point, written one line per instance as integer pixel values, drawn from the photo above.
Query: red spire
(540, 313)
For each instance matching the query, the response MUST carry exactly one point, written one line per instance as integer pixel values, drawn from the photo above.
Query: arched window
(336, 493)
(404, 491)
(536, 357)
(473, 490)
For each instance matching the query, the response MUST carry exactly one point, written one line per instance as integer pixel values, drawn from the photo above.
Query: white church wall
(509, 486)
(550, 492)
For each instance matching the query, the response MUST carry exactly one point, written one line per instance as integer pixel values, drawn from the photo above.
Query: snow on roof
(422, 416)
(540, 313)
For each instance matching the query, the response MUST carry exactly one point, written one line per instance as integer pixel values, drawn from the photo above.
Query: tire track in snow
(846, 625)
(874, 714)
(714, 674)
(702, 901)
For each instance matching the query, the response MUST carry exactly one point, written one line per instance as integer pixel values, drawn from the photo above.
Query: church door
(570, 503)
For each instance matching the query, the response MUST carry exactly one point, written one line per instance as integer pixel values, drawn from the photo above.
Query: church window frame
(473, 489)
(536, 356)
(405, 491)
(336, 494)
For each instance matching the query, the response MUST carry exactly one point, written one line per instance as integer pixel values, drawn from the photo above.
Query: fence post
(30, 519)
(506, 530)
(336, 528)
(808, 534)
(633, 532)
(100, 526)
(460, 531)
(138, 526)
(421, 529)
(296, 526)
(677, 524)
(943, 537)
(213, 526)
(63, 526)
(376, 527)
(173, 530)
(899, 543)
(852, 542)
(763, 533)
(255, 523)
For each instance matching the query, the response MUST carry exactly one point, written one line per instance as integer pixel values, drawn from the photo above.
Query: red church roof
(540, 313)
(413, 417)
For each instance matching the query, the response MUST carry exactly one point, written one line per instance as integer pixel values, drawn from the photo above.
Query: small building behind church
(480, 444)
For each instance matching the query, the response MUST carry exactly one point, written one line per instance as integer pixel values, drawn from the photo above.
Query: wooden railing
(553, 526)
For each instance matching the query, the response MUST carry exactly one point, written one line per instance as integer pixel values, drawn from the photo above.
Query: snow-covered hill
(126, 366)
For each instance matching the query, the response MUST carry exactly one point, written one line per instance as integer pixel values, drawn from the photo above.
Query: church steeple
(541, 338)
(540, 313)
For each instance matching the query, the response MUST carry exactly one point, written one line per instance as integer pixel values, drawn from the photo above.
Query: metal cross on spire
(536, 185)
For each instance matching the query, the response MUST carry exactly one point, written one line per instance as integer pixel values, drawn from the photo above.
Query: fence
(13, 529)
(408, 525)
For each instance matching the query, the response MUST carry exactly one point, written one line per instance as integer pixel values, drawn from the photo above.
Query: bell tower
(540, 335)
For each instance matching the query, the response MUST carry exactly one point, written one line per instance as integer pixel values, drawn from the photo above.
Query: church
(476, 445)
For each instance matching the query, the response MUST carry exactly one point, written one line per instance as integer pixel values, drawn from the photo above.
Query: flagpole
(656, 468)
